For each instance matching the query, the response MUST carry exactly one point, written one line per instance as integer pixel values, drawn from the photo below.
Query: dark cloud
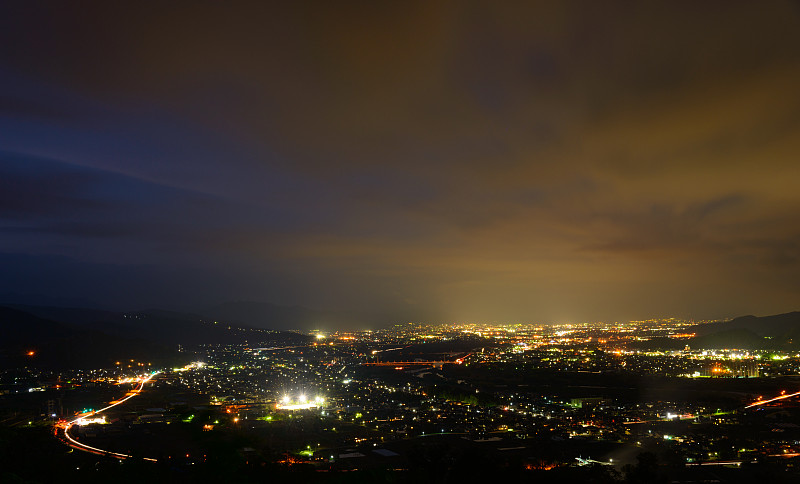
(456, 160)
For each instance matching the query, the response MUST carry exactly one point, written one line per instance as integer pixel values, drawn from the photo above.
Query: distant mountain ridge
(773, 326)
(778, 331)
(28, 340)
(91, 337)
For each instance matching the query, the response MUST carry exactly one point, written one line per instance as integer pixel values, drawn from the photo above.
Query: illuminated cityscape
(399, 242)
(552, 401)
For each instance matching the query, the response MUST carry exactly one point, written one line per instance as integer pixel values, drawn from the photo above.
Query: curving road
(94, 450)
(782, 396)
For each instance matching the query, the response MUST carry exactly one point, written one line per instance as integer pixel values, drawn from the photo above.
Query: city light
(87, 421)
(360, 400)
(302, 403)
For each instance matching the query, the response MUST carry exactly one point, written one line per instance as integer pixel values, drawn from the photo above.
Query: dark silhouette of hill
(56, 344)
(166, 326)
(774, 326)
(89, 337)
(780, 332)
(19, 327)
(731, 338)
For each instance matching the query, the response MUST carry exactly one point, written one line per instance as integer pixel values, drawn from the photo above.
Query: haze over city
(437, 161)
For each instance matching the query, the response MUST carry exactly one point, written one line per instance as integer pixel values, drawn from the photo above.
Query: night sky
(439, 161)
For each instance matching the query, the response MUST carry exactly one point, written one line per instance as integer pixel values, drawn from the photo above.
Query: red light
(31, 353)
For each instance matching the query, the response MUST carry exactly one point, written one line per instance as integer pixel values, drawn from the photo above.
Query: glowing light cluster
(190, 366)
(132, 379)
(302, 403)
(88, 421)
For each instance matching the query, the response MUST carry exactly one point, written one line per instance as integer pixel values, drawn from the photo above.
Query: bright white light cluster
(302, 403)
(131, 379)
(87, 421)
(191, 366)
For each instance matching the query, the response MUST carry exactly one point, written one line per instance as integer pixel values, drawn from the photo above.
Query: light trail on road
(94, 450)
(720, 463)
(779, 397)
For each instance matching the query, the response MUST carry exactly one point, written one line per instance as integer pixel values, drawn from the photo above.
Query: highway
(72, 442)
(782, 396)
